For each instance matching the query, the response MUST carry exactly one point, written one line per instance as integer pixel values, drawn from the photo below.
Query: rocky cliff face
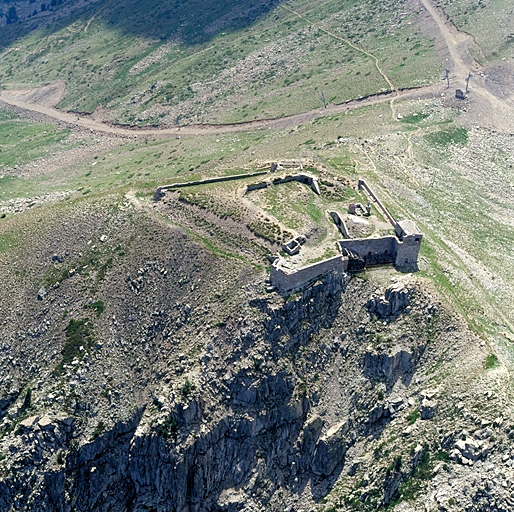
(191, 398)
(238, 430)
(265, 419)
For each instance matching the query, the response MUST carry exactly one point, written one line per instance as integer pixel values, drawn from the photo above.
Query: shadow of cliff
(389, 367)
(187, 21)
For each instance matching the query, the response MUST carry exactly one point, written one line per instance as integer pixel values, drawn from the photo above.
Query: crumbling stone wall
(374, 251)
(306, 179)
(384, 250)
(339, 222)
(257, 186)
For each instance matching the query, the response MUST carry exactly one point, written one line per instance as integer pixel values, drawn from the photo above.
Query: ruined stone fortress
(355, 254)
(400, 249)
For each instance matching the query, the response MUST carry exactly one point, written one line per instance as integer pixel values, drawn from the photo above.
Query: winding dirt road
(18, 98)
(485, 108)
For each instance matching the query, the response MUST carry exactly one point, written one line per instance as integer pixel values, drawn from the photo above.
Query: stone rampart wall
(287, 279)
(363, 246)
(206, 181)
(339, 222)
(363, 185)
(310, 181)
(256, 186)
(407, 252)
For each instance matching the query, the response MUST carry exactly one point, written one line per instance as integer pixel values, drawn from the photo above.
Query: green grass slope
(491, 23)
(156, 62)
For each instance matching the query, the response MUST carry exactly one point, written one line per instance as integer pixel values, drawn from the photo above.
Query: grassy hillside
(23, 142)
(423, 167)
(179, 62)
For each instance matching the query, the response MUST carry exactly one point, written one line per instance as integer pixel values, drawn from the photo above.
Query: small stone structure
(291, 164)
(294, 245)
(460, 94)
(353, 209)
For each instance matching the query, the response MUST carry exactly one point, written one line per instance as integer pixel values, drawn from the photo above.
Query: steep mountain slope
(223, 397)
(148, 373)
(146, 361)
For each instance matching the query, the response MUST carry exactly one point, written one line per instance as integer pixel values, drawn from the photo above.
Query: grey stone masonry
(364, 186)
(294, 245)
(384, 250)
(339, 222)
(160, 191)
(306, 179)
(288, 279)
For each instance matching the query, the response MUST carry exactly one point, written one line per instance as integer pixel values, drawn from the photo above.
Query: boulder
(29, 422)
(470, 449)
(427, 409)
(46, 423)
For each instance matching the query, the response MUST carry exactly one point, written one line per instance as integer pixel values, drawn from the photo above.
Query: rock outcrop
(225, 398)
(384, 366)
(395, 300)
